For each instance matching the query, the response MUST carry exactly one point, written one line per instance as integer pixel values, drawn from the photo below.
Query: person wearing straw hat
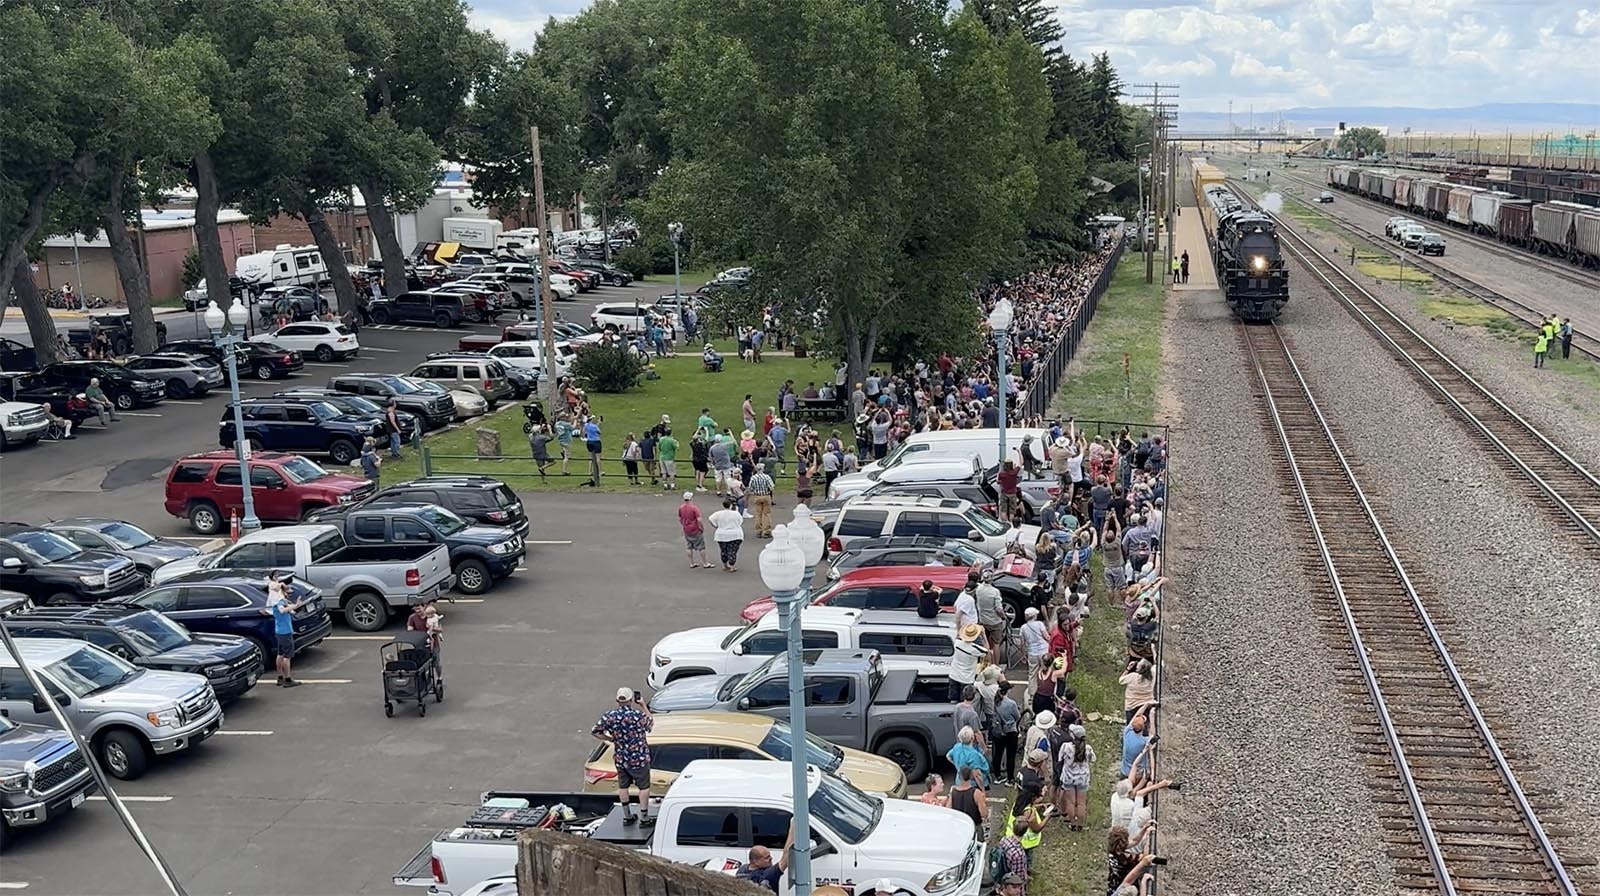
(964, 662)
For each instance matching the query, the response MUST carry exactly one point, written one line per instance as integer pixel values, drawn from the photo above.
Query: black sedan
(266, 360)
(117, 537)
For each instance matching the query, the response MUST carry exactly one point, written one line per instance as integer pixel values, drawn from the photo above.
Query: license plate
(77, 800)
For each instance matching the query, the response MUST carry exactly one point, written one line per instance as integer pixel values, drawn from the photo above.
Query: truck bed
(378, 553)
(902, 686)
(485, 844)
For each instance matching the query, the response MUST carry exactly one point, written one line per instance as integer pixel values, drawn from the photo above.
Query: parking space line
(13, 885)
(136, 414)
(374, 348)
(466, 600)
(323, 680)
(320, 364)
(243, 733)
(136, 799)
(181, 401)
(547, 542)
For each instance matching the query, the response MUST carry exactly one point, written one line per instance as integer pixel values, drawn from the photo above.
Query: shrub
(192, 271)
(606, 368)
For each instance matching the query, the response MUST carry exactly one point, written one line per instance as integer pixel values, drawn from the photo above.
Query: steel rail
(1364, 654)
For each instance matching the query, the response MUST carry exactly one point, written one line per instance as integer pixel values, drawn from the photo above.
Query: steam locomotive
(1244, 247)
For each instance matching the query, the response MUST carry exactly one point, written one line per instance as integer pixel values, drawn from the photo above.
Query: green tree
(1034, 20)
(864, 157)
(1359, 143)
(509, 99)
(192, 273)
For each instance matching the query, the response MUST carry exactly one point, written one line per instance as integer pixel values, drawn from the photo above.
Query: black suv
(117, 326)
(479, 499)
(147, 638)
(300, 426)
(354, 405)
(50, 569)
(432, 408)
(442, 309)
(126, 388)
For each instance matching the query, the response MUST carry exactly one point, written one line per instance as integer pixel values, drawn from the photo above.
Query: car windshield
(446, 522)
(89, 670)
(152, 632)
(736, 634)
(270, 346)
(843, 809)
(301, 470)
(967, 555)
(985, 523)
(324, 410)
(818, 751)
(126, 535)
(430, 386)
(402, 386)
(47, 546)
(358, 404)
(6, 724)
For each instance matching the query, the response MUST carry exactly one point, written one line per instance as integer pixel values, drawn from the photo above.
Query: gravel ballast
(1510, 586)
(1254, 723)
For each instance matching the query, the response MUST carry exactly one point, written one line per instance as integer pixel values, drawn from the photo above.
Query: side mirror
(974, 535)
(744, 703)
(738, 650)
(41, 706)
(822, 849)
(11, 563)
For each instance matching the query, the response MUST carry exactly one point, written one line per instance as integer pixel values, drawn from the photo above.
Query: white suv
(622, 318)
(874, 515)
(323, 340)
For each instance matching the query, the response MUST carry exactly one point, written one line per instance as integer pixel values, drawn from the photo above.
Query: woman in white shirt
(729, 534)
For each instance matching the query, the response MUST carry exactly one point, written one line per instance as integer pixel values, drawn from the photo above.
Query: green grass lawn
(1128, 322)
(680, 393)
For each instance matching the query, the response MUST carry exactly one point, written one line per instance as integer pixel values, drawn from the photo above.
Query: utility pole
(1163, 198)
(547, 366)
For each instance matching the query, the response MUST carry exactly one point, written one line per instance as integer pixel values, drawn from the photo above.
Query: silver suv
(873, 516)
(485, 376)
(126, 712)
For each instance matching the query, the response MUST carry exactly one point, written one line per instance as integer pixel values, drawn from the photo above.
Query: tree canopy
(1361, 142)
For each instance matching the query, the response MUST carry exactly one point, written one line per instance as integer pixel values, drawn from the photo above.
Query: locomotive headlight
(1258, 262)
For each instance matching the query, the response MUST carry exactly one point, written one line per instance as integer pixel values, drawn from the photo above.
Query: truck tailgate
(419, 871)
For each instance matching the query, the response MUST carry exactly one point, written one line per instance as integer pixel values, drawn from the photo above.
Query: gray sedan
(115, 536)
(185, 374)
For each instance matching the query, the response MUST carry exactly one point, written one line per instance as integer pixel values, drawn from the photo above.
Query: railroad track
(1464, 824)
(1564, 270)
(1564, 482)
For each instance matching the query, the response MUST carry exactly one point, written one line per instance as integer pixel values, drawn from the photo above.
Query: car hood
(874, 774)
(157, 553)
(484, 535)
(912, 828)
(707, 639)
(181, 567)
(89, 562)
(154, 690)
(196, 653)
(30, 742)
(695, 692)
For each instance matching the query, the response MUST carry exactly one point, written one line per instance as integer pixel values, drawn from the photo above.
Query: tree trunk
(858, 348)
(15, 257)
(344, 289)
(381, 218)
(41, 326)
(130, 270)
(204, 176)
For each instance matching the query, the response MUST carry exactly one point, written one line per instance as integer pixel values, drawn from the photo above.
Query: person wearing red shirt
(694, 532)
(1009, 476)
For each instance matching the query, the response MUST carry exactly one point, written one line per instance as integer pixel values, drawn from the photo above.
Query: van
(922, 467)
(983, 442)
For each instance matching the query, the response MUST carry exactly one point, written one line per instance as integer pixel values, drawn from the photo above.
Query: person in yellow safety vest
(1176, 268)
(1028, 827)
(1541, 345)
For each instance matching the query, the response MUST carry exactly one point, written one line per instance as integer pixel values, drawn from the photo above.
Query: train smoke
(1272, 202)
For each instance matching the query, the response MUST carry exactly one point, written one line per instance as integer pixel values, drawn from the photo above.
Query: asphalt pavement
(313, 790)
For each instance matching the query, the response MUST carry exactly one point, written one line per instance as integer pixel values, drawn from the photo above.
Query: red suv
(207, 488)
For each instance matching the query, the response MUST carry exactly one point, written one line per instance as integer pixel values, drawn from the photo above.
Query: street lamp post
(787, 564)
(675, 233)
(1000, 324)
(237, 316)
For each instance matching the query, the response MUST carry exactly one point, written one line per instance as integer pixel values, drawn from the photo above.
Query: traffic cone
(233, 527)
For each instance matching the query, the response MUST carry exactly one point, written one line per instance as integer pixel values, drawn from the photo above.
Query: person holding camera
(627, 728)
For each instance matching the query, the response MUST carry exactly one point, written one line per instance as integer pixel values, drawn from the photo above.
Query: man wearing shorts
(627, 728)
(282, 613)
(694, 532)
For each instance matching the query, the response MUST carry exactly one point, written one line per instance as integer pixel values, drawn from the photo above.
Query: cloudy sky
(1284, 53)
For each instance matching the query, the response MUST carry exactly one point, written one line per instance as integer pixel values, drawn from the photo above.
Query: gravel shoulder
(1253, 719)
(1512, 590)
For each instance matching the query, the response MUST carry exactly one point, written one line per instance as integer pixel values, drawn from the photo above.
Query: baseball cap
(624, 694)
(688, 496)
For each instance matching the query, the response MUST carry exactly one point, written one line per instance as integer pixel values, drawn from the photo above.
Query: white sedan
(324, 340)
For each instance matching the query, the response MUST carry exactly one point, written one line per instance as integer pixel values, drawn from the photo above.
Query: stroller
(410, 672)
(534, 411)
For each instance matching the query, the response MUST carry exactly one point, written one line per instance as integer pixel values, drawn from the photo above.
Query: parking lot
(313, 790)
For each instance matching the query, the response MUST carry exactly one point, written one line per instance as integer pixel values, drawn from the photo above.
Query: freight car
(1564, 229)
(1244, 248)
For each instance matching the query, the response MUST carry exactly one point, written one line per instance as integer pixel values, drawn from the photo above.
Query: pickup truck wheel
(472, 577)
(124, 755)
(380, 315)
(324, 353)
(205, 518)
(441, 320)
(907, 753)
(177, 389)
(365, 611)
(343, 452)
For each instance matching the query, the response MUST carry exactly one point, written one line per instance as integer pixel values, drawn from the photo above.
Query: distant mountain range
(1489, 118)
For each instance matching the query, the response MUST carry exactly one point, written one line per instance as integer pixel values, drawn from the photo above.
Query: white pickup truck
(905, 640)
(712, 814)
(364, 582)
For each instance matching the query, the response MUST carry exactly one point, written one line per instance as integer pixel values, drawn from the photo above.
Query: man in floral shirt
(626, 728)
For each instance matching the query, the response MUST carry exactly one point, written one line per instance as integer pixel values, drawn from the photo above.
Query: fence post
(427, 461)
